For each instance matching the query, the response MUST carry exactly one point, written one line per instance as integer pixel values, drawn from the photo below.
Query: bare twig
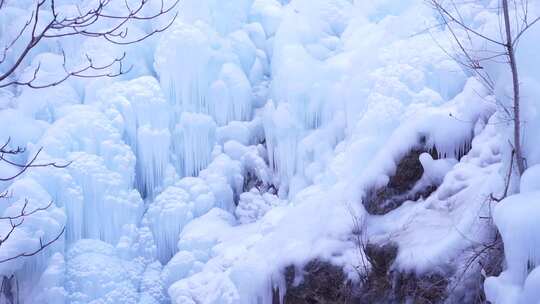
(15, 221)
(81, 25)
(475, 59)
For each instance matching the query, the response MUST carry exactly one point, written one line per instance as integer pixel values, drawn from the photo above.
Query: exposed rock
(425, 289)
(399, 189)
(321, 283)
(384, 285)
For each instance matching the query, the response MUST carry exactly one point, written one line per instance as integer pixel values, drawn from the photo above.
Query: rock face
(322, 283)
(401, 186)
(384, 285)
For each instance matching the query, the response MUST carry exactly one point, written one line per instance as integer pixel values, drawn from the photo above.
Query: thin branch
(38, 250)
(80, 25)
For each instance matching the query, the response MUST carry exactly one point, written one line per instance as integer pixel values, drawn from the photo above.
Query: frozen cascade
(201, 72)
(108, 203)
(166, 216)
(225, 177)
(83, 128)
(176, 206)
(190, 198)
(145, 122)
(193, 141)
(185, 64)
(316, 100)
(231, 95)
(153, 158)
(102, 171)
(224, 17)
(51, 286)
(282, 135)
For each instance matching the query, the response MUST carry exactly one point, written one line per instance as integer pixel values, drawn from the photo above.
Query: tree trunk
(515, 83)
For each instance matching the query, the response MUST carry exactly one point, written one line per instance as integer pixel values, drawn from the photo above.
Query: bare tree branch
(474, 59)
(36, 251)
(15, 221)
(82, 24)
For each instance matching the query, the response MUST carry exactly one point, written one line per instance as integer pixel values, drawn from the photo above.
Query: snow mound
(516, 218)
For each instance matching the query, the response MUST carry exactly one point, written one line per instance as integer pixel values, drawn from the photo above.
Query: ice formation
(173, 208)
(195, 136)
(244, 141)
(94, 273)
(148, 135)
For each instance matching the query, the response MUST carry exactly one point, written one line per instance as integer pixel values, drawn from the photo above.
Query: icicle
(206, 77)
(167, 215)
(282, 135)
(108, 202)
(194, 139)
(238, 105)
(153, 157)
(191, 197)
(65, 193)
(185, 66)
(145, 114)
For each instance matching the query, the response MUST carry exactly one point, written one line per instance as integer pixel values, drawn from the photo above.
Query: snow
(530, 180)
(435, 170)
(449, 221)
(516, 218)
